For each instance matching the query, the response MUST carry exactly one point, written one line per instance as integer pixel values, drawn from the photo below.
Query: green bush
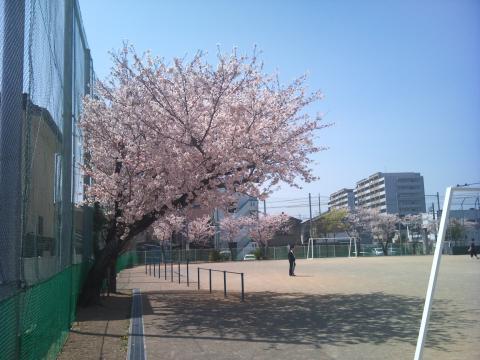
(258, 253)
(214, 256)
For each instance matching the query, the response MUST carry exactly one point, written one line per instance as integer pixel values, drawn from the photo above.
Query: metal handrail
(225, 272)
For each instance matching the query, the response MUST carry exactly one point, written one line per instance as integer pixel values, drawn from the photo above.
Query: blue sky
(401, 78)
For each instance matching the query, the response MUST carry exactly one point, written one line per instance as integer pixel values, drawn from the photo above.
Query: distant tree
(414, 222)
(383, 227)
(200, 230)
(263, 229)
(357, 222)
(232, 227)
(331, 222)
(457, 232)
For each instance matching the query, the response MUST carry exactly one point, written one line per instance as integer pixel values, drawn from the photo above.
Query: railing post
(154, 274)
(198, 278)
(188, 280)
(145, 260)
(149, 267)
(210, 279)
(243, 296)
(165, 268)
(159, 265)
(179, 271)
(224, 284)
(171, 270)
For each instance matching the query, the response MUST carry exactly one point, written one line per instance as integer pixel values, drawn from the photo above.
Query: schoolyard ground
(335, 308)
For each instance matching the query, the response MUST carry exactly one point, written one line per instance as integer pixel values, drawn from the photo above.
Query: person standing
(472, 250)
(291, 261)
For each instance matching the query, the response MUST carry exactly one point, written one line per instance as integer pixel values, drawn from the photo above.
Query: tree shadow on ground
(114, 307)
(334, 319)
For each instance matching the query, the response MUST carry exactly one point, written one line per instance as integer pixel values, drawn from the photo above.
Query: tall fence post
(11, 119)
(188, 280)
(154, 274)
(171, 270)
(243, 295)
(145, 260)
(179, 272)
(165, 268)
(224, 284)
(149, 267)
(198, 278)
(210, 279)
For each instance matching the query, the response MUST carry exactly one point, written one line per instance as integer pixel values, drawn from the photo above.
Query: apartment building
(342, 199)
(396, 193)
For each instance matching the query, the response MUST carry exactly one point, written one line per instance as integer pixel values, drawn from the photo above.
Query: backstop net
(45, 231)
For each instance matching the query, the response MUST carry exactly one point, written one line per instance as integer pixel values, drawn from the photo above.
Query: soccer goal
(335, 240)
(451, 191)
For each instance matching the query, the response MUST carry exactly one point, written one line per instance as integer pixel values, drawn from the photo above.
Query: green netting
(127, 260)
(42, 314)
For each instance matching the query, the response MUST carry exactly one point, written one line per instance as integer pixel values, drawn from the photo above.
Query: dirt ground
(337, 308)
(349, 309)
(100, 332)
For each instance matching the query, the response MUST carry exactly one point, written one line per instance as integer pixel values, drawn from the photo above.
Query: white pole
(435, 267)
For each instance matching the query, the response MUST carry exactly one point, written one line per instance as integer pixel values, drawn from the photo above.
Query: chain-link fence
(45, 231)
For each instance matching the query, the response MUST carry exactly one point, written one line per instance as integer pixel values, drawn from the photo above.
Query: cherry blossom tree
(200, 230)
(162, 136)
(383, 227)
(232, 227)
(164, 228)
(263, 229)
(357, 222)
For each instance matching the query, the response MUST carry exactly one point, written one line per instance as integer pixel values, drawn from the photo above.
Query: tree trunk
(112, 281)
(91, 289)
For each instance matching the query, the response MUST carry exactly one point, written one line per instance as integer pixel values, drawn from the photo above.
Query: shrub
(214, 256)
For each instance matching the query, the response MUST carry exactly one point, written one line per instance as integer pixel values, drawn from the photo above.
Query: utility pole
(310, 207)
(438, 202)
(319, 205)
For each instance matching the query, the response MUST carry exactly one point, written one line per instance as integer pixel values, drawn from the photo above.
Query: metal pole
(243, 295)
(154, 274)
(179, 272)
(66, 200)
(310, 208)
(438, 202)
(433, 275)
(149, 267)
(11, 119)
(264, 207)
(188, 280)
(165, 268)
(224, 284)
(210, 279)
(145, 263)
(171, 270)
(198, 278)
(159, 265)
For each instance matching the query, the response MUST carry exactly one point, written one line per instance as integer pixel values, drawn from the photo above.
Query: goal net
(333, 242)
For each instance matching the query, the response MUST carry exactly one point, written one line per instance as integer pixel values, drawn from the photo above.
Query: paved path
(367, 308)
